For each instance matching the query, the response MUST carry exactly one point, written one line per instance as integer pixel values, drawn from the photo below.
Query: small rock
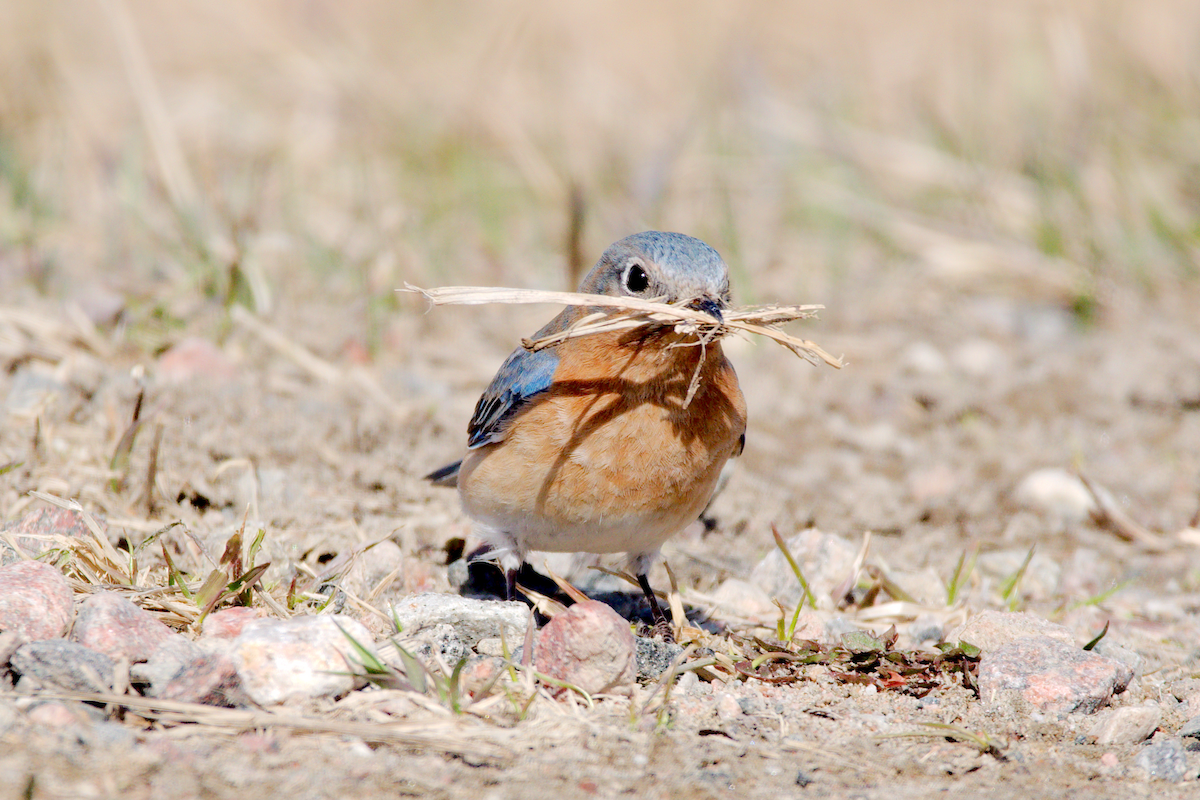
(979, 358)
(101, 305)
(1164, 760)
(925, 628)
(302, 658)
(922, 358)
(35, 601)
(439, 640)
(1044, 673)
(810, 626)
(728, 708)
(57, 714)
(824, 559)
(480, 672)
(472, 620)
(194, 358)
(744, 600)
(1129, 658)
(989, 630)
(30, 530)
(109, 623)
(688, 683)
(1191, 728)
(228, 622)
(1040, 579)
(9, 642)
(1128, 725)
(164, 663)
(30, 386)
(211, 679)
(67, 665)
(588, 646)
(654, 657)
(1109, 760)
(1057, 492)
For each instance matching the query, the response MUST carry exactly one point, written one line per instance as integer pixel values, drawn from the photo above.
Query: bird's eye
(635, 279)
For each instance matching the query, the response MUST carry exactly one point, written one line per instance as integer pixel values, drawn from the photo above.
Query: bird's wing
(521, 377)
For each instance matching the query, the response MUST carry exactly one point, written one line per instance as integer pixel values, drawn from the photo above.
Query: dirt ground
(1009, 267)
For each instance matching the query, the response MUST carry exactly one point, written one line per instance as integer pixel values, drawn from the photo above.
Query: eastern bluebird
(589, 445)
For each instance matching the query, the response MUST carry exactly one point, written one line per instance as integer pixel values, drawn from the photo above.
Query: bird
(593, 444)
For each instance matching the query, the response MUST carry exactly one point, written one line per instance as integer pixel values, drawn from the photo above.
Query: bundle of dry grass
(623, 313)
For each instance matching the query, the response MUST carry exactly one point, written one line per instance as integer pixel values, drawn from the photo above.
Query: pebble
(35, 601)
(1164, 760)
(1128, 725)
(588, 646)
(989, 630)
(688, 683)
(1049, 675)
(40, 523)
(67, 665)
(211, 679)
(1191, 728)
(194, 358)
(57, 714)
(744, 600)
(303, 658)
(29, 387)
(1057, 492)
(439, 640)
(925, 628)
(164, 663)
(228, 622)
(654, 657)
(1040, 580)
(728, 708)
(825, 560)
(111, 624)
(471, 619)
(922, 358)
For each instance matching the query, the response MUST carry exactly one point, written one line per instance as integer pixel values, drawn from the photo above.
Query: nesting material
(623, 313)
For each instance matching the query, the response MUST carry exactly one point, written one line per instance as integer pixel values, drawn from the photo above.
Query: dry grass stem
(449, 738)
(757, 320)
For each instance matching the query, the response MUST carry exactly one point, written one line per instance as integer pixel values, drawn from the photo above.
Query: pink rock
(195, 358)
(110, 624)
(35, 601)
(989, 630)
(1048, 675)
(298, 659)
(228, 622)
(41, 523)
(211, 679)
(590, 646)
(57, 715)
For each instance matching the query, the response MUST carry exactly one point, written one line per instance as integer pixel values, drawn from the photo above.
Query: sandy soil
(927, 458)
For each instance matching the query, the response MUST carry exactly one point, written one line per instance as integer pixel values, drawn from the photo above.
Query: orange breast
(609, 458)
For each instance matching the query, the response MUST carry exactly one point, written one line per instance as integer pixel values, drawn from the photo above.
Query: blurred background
(998, 203)
(155, 147)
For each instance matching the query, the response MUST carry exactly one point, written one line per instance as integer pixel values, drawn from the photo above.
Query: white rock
(825, 560)
(1058, 492)
(1128, 725)
(472, 620)
(297, 659)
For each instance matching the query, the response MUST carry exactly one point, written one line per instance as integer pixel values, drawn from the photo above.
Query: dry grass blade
(632, 312)
(449, 738)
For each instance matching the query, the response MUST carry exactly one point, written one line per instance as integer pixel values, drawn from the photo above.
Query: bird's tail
(446, 476)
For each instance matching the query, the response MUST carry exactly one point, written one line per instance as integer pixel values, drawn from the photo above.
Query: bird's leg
(510, 582)
(662, 625)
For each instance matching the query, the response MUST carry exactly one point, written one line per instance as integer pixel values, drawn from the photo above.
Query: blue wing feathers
(522, 376)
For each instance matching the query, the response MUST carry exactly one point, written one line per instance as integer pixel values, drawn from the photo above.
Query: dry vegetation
(266, 175)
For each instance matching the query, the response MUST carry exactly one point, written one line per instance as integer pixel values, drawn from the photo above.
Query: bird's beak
(708, 306)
